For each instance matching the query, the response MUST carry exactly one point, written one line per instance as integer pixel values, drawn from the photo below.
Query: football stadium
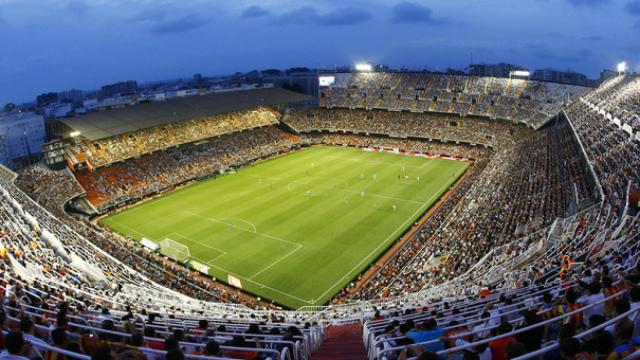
(355, 212)
(346, 219)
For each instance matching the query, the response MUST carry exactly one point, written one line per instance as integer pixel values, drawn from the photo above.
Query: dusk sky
(54, 45)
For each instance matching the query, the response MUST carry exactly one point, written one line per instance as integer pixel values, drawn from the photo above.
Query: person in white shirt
(483, 351)
(478, 330)
(104, 315)
(10, 289)
(595, 295)
(586, 276)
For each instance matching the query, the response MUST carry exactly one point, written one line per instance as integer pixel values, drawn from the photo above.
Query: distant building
(47, 99)
(574, 78)
(547, 74)
(71, 96)
(198, 80)
(21, 137)
(303, 81)
(607, 74)
(494, 70)
(565, 77)
(53, 154)
(119, 88)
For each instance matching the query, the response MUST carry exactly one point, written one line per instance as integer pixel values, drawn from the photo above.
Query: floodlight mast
(520, 74)
(363, 67)
(622, 67)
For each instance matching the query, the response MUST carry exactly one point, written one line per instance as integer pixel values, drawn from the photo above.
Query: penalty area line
(276, 262)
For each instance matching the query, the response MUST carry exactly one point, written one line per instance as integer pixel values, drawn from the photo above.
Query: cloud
(150, 15)
(254, 11)
(408, 12)
(588, 3)
(179, 25)
(77, 7)
(339, 17)
(633, 7)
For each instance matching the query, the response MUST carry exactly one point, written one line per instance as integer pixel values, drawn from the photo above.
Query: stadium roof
(102, 124)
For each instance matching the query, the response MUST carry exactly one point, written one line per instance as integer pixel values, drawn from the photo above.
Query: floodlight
(622, 66)
(75, 133)
(364, 67)
(521, 73)
(326, 80)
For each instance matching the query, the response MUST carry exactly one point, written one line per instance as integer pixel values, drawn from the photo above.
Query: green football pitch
(297, 228)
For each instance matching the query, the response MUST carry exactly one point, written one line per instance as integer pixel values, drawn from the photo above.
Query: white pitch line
(155, 220)
(263, 285)
(200, 243)
(215, 258)
(276, 262)
(255, 230)
(233, 272)
(130, 228)
(368, 161)
(427, 163)
(280, 239)
(390, 236)
(338, 189)
(251, 232)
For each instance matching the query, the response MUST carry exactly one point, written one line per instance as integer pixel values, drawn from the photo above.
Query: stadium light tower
(622, 67)
(363, 67)
(520, 74)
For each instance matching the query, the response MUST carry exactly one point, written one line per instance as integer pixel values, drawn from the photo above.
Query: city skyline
(55, 45)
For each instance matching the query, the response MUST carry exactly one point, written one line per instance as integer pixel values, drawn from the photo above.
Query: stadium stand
(105, 124)
(617, 99)
(562, 185)
(151, 173)
(124, 146)
(535, 254)
(529, 102)
(54, 279)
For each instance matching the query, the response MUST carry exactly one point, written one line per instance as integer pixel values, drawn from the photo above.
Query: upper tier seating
(125, 146)
(529, 102)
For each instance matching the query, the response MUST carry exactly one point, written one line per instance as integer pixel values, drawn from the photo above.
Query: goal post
(174, 249)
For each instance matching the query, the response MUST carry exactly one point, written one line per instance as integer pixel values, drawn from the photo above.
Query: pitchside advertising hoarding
(234, 281)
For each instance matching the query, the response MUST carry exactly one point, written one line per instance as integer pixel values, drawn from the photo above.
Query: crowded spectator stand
(554, 240)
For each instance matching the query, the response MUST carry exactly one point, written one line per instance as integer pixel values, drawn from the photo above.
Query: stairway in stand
(342, 342)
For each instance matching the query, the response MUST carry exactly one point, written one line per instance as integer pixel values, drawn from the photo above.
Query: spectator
(499, 346)
(16, 347)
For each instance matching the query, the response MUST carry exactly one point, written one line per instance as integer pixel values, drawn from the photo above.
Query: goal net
(174, 249)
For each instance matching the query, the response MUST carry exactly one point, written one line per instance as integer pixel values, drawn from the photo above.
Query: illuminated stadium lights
(364, 67)
(520, 73)
(622, 67)
(326, 80)
(75, 133)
